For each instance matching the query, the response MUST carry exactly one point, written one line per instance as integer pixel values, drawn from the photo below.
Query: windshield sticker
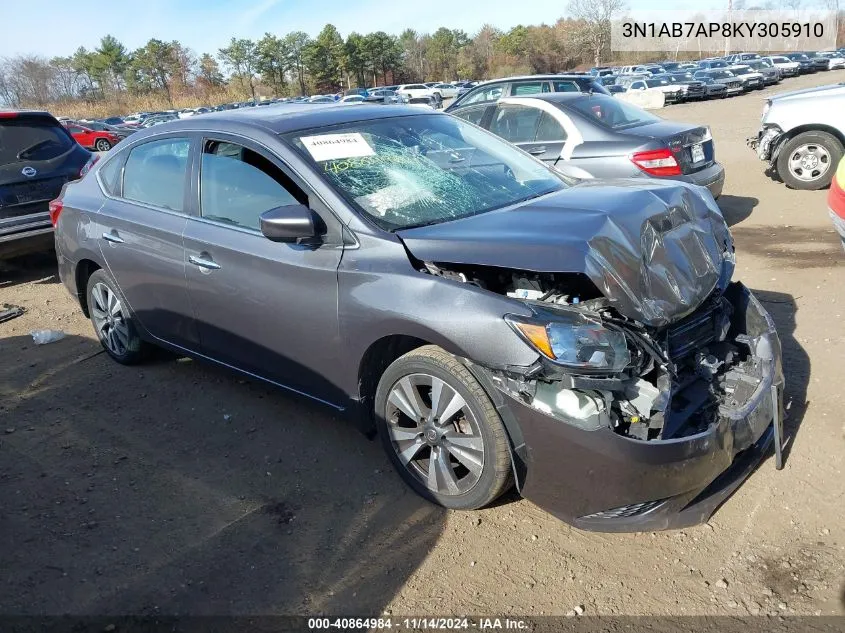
(336, 146)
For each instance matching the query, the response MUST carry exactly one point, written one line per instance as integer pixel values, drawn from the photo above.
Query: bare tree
(597, 15)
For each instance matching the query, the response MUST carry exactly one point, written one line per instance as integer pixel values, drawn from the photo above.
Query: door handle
(203, 263)
(113, 237)
(537, 150)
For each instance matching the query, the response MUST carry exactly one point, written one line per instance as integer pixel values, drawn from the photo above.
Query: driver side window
(238, 184)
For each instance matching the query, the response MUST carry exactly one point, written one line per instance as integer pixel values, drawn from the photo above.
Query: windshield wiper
(22, 154)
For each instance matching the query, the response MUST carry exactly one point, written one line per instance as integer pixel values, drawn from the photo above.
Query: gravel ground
(176, 488)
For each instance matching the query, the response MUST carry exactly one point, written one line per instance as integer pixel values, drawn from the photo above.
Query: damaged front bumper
(607, 481)
(765, 143)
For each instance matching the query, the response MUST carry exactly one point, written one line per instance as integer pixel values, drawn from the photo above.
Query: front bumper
(765, 142)
(600, 480)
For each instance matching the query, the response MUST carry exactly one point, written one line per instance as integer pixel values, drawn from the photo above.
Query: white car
(834, 60)
(412, 91)
(447, 91)
(787, 67)
(750, 78)
(186, 112)
(352, 99)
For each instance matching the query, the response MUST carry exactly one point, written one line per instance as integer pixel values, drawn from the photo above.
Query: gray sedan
(595, 136)
(496, 326)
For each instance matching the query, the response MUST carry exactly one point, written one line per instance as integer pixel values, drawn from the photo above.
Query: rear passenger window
(490, 93)
(237, 185)
(155, 173)
(474, 114)
(566, 86)
(529, 88)
(549, 129)
(516, 124)
(110, 176)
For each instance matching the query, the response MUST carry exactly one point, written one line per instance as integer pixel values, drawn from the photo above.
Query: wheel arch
(82, 273)
(808, 127)
(384, 351)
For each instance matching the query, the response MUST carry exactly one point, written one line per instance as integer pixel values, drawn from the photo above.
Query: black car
(807, 66)
(711, 64)
(112, 120)
(695, 89)
(712, 88)
(491, 91)
(733, 85)
(37, 157)
(495, 326)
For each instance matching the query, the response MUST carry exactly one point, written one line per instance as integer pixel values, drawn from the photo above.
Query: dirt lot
(176, 488)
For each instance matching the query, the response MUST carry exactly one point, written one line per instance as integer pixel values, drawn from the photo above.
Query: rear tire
(112, 320)
(102, 145)
(432, 413)
(808, 161)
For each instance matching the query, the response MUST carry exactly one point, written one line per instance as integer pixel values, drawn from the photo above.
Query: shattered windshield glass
(419, 170)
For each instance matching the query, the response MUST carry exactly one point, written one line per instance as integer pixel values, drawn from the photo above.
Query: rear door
(140, 233)
(516, 124)
(264, 307)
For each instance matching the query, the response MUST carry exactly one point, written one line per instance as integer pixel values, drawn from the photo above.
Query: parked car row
(604, 362)
(738, 73)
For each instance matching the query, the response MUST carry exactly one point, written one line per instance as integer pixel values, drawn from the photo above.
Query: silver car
(802, 135)
(588, 136)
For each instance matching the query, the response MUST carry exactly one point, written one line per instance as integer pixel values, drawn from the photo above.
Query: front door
(264, 307)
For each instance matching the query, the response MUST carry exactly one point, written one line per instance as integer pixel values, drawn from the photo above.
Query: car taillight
(55, 208)
(660, 162)
(87, 166)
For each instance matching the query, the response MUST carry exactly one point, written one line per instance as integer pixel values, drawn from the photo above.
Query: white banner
(724, 32)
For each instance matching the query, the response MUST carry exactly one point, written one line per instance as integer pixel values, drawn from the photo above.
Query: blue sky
(54, 27)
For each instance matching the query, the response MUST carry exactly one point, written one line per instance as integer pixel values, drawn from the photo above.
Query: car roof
(287, 117)
(12, 113)
(563, 97)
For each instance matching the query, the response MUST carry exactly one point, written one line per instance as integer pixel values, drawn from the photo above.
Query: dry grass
(145, 103)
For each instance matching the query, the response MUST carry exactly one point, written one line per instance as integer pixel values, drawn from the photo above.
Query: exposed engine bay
(680, 378)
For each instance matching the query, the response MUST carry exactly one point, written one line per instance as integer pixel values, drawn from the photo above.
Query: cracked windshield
(414, 171)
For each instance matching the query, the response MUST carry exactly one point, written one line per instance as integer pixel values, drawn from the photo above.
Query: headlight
(575, 341)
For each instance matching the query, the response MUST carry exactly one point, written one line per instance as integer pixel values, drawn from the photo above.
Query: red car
(99, 140)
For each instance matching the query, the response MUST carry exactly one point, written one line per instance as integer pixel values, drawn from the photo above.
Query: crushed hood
(654, 249)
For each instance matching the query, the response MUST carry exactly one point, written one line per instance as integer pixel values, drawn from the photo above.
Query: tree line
(110, 77)
(297, 64)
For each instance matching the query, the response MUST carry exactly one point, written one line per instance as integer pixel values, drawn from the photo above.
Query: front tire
(102, 145)
(441, 430)
(809, 160)
(113, 323)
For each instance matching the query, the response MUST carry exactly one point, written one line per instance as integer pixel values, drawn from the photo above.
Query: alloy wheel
(109, 319)
(435, 434)
(102, 145)
(809, 162)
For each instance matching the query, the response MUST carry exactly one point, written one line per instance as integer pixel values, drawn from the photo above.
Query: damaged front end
(692, 411)
(766, 143)
(599, 369)
(658, 382)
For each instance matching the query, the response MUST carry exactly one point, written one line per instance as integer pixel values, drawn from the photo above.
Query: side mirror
(291, 223)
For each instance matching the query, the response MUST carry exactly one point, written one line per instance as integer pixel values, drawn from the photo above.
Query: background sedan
(596, 136)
